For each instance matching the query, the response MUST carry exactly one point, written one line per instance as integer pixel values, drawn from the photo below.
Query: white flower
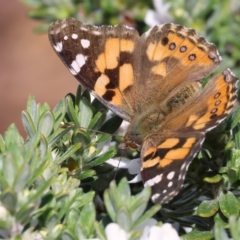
(165, 232)
(160, 15)
(115, 232)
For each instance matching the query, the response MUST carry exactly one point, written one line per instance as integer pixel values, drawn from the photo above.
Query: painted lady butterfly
(154, 81)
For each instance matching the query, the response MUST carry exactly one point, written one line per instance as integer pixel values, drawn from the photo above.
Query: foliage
(48, 181)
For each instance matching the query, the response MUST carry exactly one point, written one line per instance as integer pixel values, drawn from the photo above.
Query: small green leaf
(229, 204)
(197, 235)
(69, 152)
(97, 121)
(28, 124)
(85, 113)
(9, 200)
(234, 119)
(221, 220)
(71, 111)
(87, 219)
(87, 174)
(100, 231)
(233, 174)
(45, 124)
(104, 157)
(124, 189)
(123, 218)
(220, 233)
(59, 112)
(109, 205)
(213, 179)
(153, 210)
(57, 135)
(32, 109)
(208, 208)
(2, 144)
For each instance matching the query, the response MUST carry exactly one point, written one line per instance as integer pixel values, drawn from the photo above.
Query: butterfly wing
(166, 156)
(211, 106)
(165, 161)
(172, 57)
(104, 59)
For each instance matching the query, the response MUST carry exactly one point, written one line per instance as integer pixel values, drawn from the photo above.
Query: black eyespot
(217, 95)
(165, 41)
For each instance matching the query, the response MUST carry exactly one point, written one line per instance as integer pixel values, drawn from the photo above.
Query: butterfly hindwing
(212, 105)
(165, 162)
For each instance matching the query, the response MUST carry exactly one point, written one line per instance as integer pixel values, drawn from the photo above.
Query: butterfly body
(153, 81)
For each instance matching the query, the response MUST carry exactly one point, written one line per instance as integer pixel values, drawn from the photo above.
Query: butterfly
(154, 81)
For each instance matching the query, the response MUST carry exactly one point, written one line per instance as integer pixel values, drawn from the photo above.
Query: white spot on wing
(58, 47)
(74, 36)
(97, 33)
(78, 63)
(65, 37)
(155, 196)
(170, 175)
(153, 181)
(170, 184)
(83, 28)
(85, 43)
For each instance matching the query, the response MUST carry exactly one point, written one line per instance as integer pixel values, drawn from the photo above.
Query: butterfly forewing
(103, 59)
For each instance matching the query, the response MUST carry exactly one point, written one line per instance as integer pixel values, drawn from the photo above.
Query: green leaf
(87, 219)
(71, 111)
(123, 218)
(197, 235)
(2, 144)
(234, 227)
(104, 157)
(153, 210)
(100, 231)
(140, 203)
(9, 200)
(124, 192)
(45, 124)
(85, 113)
(59, 112)
(233, 174)
(213, 179)
(234, 119)
(220, 233)
(57, 135)
(228, 204)
(109, 205)
(81, 136)
(97, 121)
(32, 109)
(28, 124)
(87, 174)
(69, 152)
(221, 220)
(208, 208)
